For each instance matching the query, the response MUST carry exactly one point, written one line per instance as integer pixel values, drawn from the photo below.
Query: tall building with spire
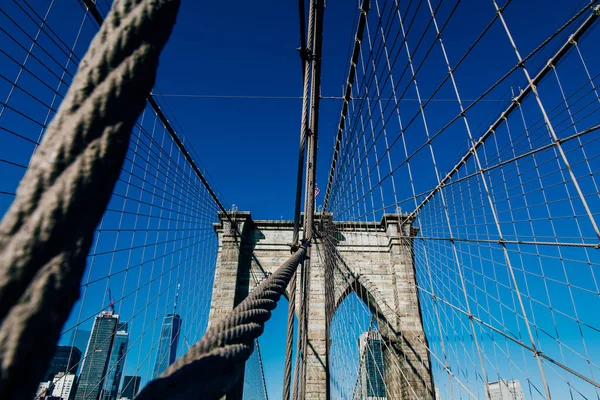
(168, 341)
(97, 355)
(116, 363)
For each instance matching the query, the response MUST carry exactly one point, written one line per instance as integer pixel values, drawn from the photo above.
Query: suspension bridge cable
(317, 8)
(306, 59)
(176, 266)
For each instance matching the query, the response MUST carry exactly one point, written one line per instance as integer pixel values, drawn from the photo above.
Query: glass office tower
(167, 345)
(116, 363)
(97, 354)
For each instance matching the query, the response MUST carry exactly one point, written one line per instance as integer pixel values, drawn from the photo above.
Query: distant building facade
(372, 383)
(63, 386)
(506, 390)
(131, 385)
(42, 390)
(66, 359)
(97, 355)
(116, 363)
(167, 345)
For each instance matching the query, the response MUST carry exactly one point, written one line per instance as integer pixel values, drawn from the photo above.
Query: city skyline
(97, 373)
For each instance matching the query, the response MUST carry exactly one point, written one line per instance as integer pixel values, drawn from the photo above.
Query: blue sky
(248, 148)
(250, 49)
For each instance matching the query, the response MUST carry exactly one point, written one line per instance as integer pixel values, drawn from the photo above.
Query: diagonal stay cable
(91, 6)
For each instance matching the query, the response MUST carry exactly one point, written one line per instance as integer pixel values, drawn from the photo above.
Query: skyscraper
(115, 364)
(66, 359)
(131, 385)
(506, 390)
(167, 343)
(93, 370)
(372, 384)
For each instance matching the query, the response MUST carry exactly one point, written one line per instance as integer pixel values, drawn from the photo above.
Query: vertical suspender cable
(289, 340)
(305, 56)
(317, 7)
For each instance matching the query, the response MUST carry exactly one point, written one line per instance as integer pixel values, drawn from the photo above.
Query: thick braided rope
(212, 366)
(47, 232)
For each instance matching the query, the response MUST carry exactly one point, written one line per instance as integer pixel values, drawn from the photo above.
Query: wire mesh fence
(484, 129)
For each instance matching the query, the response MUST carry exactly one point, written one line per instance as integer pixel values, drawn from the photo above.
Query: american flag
(317, 191)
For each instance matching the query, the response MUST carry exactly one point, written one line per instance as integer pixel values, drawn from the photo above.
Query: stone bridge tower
(374, 260)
